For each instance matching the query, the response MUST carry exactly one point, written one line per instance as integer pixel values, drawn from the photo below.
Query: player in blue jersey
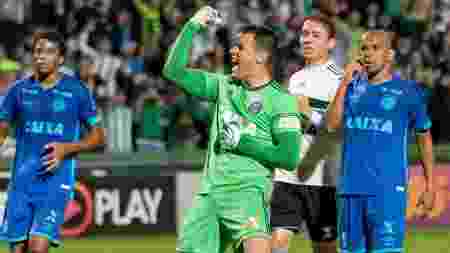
(48, 108)
(375, 113)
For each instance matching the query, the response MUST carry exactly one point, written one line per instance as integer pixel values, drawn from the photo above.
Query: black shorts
(315, 205)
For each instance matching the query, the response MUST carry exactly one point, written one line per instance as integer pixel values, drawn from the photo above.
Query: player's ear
(331, 43)
(389, 56)
(61, 60)
(262, 57)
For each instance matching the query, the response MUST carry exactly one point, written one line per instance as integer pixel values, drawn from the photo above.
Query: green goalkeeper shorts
(218, 220)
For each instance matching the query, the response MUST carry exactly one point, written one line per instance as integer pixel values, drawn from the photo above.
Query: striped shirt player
(303, 198)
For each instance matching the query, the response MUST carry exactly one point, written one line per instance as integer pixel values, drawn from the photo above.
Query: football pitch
(418, 241)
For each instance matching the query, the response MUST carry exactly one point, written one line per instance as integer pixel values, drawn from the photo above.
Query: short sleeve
(9, 106)
(87, 108)
(419, 114)
(286, 116)
(297, 86)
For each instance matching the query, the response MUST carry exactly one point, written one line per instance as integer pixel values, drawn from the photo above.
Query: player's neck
(318, 61)
(258, 80)
(47, 81)
(384, 76)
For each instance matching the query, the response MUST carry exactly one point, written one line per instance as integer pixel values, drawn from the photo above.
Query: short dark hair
(266, 40)
(265, 37)
(52, 36)
(329, 24)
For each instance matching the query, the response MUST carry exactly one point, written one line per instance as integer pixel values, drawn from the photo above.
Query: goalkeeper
(255, 129)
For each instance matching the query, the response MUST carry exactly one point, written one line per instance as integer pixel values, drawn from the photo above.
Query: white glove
(206, 16)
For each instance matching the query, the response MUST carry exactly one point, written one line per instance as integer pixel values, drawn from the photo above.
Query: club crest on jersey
(255, 104)
(388, 102)
(59, 105)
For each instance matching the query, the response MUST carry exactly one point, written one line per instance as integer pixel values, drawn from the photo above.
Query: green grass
(418, 241)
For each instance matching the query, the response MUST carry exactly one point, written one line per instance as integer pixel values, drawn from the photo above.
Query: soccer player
(47, 109)
(255, 128)
(375, 113)
(310, 197)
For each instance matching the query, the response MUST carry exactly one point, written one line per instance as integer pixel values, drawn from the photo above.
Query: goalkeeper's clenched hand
(204, 16)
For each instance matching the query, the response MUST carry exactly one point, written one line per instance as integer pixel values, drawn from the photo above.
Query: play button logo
(73, 209)
(78, 214)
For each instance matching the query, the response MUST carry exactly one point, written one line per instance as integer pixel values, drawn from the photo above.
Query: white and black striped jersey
(319, 83)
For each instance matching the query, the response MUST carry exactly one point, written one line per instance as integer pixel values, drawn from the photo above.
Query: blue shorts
(36, 214)
(372, 224)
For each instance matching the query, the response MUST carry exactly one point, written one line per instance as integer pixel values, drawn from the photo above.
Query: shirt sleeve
(419, 114)
(297, 86)
(9, 107)
(287, 117)
(88, 108)
(196, 82)
(285, 149)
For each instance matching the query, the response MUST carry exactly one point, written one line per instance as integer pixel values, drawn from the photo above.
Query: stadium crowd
(119, 47)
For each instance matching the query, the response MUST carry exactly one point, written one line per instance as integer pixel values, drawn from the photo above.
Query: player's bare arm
(4, 126)
(176, 66)
(336, 109)
(59, 151)
(305, 109)
(425, 144)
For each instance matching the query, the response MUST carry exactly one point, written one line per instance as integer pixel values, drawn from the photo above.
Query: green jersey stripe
(318, 104)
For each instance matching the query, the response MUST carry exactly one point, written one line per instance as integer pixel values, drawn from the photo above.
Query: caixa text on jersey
(44, 127)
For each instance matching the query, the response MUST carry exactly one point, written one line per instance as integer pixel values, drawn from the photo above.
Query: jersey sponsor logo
(368, 123)
(388, 103)
(44, 128)
(59, 105)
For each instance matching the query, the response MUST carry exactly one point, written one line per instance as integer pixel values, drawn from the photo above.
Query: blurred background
(132, 193)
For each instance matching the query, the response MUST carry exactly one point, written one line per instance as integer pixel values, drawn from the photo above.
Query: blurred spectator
(354, 21)
(118, 48)
(106, 64)
(440, 99)
(8, 74)
(121, 32)
(151, 27)
(87, 73)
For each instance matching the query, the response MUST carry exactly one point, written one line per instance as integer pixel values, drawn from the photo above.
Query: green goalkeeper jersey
(267, 117)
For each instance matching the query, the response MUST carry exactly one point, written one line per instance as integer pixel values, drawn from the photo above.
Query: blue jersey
(376, 123)
(42, 116)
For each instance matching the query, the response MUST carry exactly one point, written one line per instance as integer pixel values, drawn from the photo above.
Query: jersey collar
(320, 66)
(37, 84)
